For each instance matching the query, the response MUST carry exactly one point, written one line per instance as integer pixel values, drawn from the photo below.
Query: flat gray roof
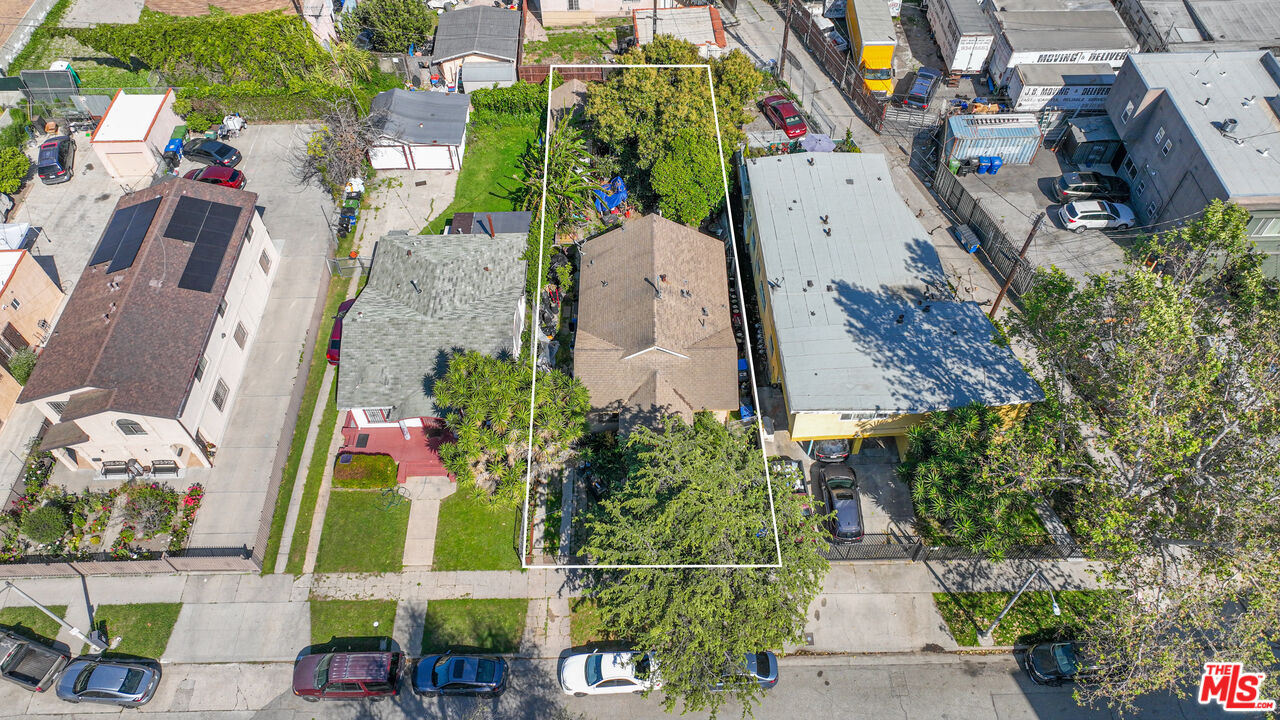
(1066, 74)
(425, 118)
(480, 30)
(1231, 23)
(1236, 76)
(1065, 30)
(863, 316)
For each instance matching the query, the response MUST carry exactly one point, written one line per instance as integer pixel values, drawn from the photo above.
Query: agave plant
(568, 176)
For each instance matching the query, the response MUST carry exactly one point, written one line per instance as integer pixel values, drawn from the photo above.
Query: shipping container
(964, 34)
(1012, 137)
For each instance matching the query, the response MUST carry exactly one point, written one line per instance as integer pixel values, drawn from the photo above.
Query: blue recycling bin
(984, 164)
(996, 162)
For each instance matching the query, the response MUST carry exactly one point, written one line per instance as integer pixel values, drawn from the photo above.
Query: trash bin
(954, 164)
(967, 167)
(996, 162)
(984, 164)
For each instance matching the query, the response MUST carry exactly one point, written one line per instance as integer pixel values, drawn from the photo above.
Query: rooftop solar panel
(123, 237)
(210, 226)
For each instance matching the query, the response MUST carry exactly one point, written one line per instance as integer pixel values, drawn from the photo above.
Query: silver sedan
(110, 682)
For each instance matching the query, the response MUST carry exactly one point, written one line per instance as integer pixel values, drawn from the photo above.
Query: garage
(421, 130)
(131, 137)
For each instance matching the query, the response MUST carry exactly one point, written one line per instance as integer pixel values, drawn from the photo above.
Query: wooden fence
(537, 73)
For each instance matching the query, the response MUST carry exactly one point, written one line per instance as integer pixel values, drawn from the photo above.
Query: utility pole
(94, 638)
(1013, 270)
(655, 21)
(786, 35)
(1008, 606)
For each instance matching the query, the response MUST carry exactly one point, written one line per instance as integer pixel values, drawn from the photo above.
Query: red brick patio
(418, 455)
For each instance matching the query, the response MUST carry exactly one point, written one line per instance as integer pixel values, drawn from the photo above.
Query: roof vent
(824, 219)
(827, 230)
(1229, 126)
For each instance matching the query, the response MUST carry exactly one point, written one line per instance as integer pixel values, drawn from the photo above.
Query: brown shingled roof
(64, 434)
(135, 332)
(639, 354)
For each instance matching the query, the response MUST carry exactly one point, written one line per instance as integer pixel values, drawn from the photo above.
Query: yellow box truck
(874, 38)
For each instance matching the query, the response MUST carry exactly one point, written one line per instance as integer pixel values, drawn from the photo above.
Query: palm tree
(569, 183)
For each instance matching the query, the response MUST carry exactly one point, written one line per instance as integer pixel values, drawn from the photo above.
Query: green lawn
(485, 182)
(30, 623)
(584, 623)
(349, 625)
(575, 45)
(143, 627)
(365, 472)
(471, 535)
(1030, 620)
(489, 625)
(361, 534)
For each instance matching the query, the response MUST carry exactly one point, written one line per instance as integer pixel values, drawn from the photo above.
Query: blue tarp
(611, 195)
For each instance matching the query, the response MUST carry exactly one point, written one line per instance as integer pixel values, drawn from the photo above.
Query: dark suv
(922, 89)
(1090, 186)
(1054, 663)
(55, 162)
(347, 676)
(837, 489)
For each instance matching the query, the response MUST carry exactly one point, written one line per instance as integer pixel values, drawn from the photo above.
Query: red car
(335, 335)
(784, 116)
(217, 175)
(347, 676)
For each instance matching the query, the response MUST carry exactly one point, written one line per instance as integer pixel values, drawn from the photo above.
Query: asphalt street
(860, 687)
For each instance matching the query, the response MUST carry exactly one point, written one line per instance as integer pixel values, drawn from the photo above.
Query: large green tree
(394, 24)
(1170, 373)
(660, 122)
(488, 408)
(696, 495)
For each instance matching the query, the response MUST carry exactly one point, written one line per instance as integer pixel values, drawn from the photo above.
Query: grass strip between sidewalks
(494, 626)
(144, 628)
(32, 624)
(352, 625)
(1030, 620)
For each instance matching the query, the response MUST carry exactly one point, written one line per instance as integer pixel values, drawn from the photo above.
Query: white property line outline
(746, 334)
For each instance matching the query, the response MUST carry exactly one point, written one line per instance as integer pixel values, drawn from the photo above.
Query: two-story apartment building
(862, 333)
(142, 369)
(29, 300)
(1200, 127)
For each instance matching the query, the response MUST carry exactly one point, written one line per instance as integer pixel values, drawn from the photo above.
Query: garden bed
(1030, 620)
(365, 472)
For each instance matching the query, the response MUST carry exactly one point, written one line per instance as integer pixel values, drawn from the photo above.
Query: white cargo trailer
(964, 34)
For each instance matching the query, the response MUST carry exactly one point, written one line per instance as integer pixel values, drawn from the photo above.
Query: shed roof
(1252, 76)
(130, 118)
(699, 25)
(424, 118)
(137, 333)
(1064, 74)
(479, 30)
(427, 296)
(654, 335)
(864, 319)
(479, 72)
(1029, 31)
(1002, 125)
(491, 223)
(1097, 128)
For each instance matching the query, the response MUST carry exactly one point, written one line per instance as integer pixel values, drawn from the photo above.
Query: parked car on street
(1054, 663)
(837, 490)
(760, 668)
(608, 673)
(831, 450)
(1090, 186)
(334, 353)
(218, 175)
(1097, 214)
(347, 675)
(130, 684)
(29, 664)
(922, 89)
(469, 675)
(56, 160)
(211, 152)
(782, 113)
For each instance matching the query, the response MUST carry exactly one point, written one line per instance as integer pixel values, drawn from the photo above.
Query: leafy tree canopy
(687, 180)
(696, 495)
(487, 401)
(394, 24)
(569, 181)
(1170, 374)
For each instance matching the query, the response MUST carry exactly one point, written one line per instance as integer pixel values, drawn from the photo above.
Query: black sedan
(211, 152)
(1054, 663)
(831, 450)
(836, 487)
(469, 675)
(1074, 186)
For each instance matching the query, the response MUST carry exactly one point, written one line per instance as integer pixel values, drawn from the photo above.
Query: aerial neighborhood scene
(586, 359)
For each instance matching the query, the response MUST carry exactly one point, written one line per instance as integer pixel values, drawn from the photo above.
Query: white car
(1100, 214)
(608, 673)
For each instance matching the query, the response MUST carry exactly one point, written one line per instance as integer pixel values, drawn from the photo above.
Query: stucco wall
(38, 301)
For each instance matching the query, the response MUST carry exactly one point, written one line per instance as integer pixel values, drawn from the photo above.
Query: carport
(131, 137)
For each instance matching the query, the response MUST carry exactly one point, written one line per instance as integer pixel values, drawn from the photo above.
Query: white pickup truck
(30, 664)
